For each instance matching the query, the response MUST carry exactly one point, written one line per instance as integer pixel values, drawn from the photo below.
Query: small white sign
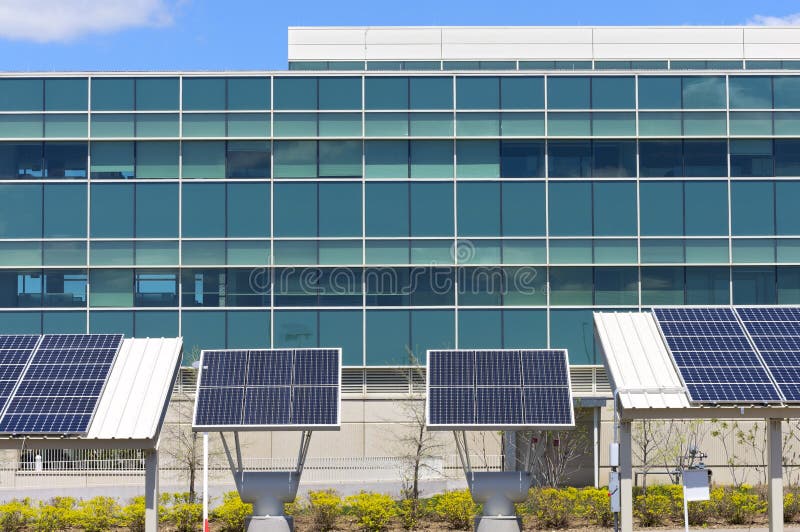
(695, 485)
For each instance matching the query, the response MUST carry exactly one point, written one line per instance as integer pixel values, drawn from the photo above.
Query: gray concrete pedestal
(497, 491)
(269, 523)
(485, 523)
(267, 491)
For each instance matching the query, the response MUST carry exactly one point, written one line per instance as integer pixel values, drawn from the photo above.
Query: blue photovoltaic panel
(498, 388)
(15, 351)
(775, 331)
(714, 356)
(58, 391)
(251, 389)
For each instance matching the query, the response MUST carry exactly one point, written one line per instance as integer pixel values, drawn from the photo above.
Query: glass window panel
(339, 93)
(203, 252)
(65, 126)
(479, 251)
(295, 124)
(661, 208)
(296, 329)
(295, 209)
(523, 329)
(21, 323)
(386, 125)
(570, 286)
(788, 285)
(156, 210)
(431, 124)
(112, 210)
(203, 94)
(706, 208)
(156, 252)
(787, 215)
(248, 125)
(204, 125)
(203, 210)
(203, 330)
(155, 288)
(573, 330)
(248, 159)
(478, 209)
(387, 211)
(244, 289)
(570, 158)
(343, 329)
(65, 159)
(704, 123)
(662, 251)
(480, 329)
(477, 158)
(616, 286)
(339, 252)
(21, 215)
(522, 124)
(706, 250)
(707, 286)
(203, 288)
(157, 159)
(662, 285)
(787, 92)
(339, 209)
(111, 288)
(340, 125)
(432, 252)
(431, 329)
(21, 160)
(431, 93)
(112, 160)
(295, 93)
(610, 92)
(432, 209)
(614, 209)
(615, 251)
(63, 322)
(570, 209)
(387, 337)
(753, 123)
(386, 158)
(157, 94)
(788, 250)
(20, 253)
(431, 159)
(115, 253)
(705, 158)
(659, 92)
(614, 158)
(568, 93)
(64, 253)
(660, 158)
(65, 288)
(477, 93)
(295, 158)
(386, 93)
(569, 124)
(754, 285)
(340, 158)
(64, 211)
(21, 95)
(753, 250)
(481, 286)
(787, 157)
(573, 251)
(751, 158)
(248, 252)
(752, 208)
(520, 158)
(247, 94)
(112, 94)
(522, 92)
(113, 125)
(750, 92)
(154, 125)
(387, 252)
(523, 212)
(66, 94)
(21, 126)
(613, 124)
(478, 124)
(660, 124)
(204, 159)
(524, 251)
(786, 123)
(703, 92)
(156, 324)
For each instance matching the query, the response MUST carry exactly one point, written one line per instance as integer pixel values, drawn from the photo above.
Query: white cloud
(63, 20)
(765, 20)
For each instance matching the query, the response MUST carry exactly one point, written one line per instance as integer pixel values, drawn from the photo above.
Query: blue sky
(45, 35)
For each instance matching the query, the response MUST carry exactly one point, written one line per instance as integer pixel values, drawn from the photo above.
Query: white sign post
(695, 488)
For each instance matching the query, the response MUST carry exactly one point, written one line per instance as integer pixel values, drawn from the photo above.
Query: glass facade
(394, 213)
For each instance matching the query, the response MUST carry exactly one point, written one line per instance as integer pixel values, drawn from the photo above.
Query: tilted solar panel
(496, 389)
(15, 352)
(268, 389)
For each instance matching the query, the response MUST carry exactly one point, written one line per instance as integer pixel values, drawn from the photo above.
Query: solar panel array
(59, 380)
(714, 356)
(501, 388)
(250, 389)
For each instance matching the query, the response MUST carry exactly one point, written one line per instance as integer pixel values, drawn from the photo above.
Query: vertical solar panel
(775, 332)
(714, 356)
(58, 391)
(250, 389)
(15, 352)
(498, 388)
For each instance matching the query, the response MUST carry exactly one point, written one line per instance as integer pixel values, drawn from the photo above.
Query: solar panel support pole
(625, 477)
(205, 482)
(151, 495)
(775, 473)
(463, 452)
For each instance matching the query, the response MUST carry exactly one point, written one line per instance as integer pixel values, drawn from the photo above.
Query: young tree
(557, 454)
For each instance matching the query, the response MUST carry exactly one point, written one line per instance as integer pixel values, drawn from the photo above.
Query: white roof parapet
(455, 43)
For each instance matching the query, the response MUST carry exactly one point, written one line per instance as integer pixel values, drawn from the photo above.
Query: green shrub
(232, 512)
(653, 508)
(98, 514)
(455, 507)
(15, 515)
(738, 506)
(553, 507)
(325, 507)
(594, 505)
(183, 514)
(59, 514)
(408, 510)
(791, 505)
(373, 511)
(132, 516)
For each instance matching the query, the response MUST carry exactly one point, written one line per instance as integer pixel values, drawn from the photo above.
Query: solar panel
(58, 390)
(269, 388)
(497, 389)
(15, 352)
(714, 356)
(775, 331)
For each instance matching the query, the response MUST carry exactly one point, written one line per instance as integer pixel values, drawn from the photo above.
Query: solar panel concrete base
(267, 491)
(497, 491)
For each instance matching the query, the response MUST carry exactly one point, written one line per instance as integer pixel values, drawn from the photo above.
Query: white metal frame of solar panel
(498, 389)
(58, 390)
(714, 357)
(775, 332)
(231, 381)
